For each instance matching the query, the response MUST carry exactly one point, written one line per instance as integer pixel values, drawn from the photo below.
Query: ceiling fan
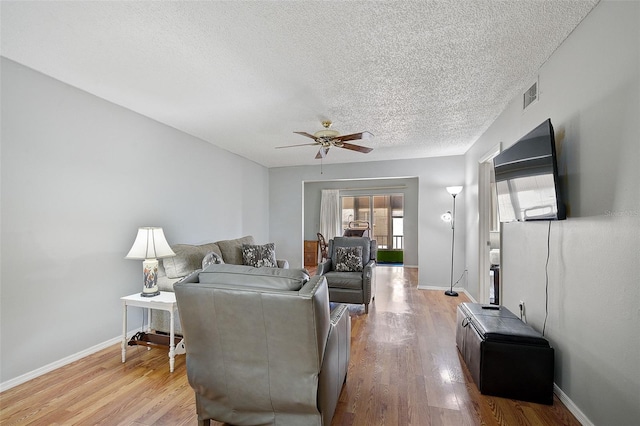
(327, 138)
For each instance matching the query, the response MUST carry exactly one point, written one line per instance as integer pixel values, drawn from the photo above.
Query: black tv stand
(505, 356)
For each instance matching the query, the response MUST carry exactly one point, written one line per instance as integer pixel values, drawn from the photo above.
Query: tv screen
(527, 181)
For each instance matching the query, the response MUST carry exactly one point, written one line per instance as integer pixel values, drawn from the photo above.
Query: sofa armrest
(166, 284)
(341, 324)
(324, 267)
(337, 313)
(369, 278)
(335, 361)
(282, 263)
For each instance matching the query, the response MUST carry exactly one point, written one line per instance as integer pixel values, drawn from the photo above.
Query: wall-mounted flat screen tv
(527, 180)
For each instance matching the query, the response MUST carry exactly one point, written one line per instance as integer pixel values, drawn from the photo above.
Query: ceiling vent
(530, 96)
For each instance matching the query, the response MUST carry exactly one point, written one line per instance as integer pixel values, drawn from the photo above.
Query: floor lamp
(453, 190)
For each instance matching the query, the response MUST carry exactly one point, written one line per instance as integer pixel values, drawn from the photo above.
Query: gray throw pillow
(211, 257)
(259, 255)
(349, 259)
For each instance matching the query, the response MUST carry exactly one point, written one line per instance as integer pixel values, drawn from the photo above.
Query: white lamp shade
(454, 190)
(150, 243)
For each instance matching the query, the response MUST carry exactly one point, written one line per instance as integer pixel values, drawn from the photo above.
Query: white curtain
(330, 218)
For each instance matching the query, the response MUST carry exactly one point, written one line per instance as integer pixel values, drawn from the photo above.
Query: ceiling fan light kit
(327, 132)
(327, 138)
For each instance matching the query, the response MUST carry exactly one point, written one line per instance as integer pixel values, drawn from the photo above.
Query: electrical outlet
(523, 313)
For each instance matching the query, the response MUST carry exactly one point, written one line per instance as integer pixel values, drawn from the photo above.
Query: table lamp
(149, 246)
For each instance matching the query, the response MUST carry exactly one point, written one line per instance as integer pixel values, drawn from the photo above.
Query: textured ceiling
(425, 77)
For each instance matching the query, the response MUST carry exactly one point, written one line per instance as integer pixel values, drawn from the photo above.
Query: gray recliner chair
(263, 346)
(351, 279)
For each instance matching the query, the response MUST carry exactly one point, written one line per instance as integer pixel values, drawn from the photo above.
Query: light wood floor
(404, 370)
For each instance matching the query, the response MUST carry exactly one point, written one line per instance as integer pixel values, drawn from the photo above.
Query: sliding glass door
(378, 216)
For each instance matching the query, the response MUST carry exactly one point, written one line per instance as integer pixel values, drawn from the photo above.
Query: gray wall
(434, 236)
(590, 89)
(79, 175)
(313, 197)
(74, 190)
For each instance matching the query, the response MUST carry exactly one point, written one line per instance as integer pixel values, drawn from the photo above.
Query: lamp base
(150, 275)
(451, 293)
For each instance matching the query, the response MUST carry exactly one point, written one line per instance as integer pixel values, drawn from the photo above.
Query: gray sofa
(188, 259)
(263, 345)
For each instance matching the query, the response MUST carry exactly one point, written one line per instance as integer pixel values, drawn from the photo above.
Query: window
(379, 216)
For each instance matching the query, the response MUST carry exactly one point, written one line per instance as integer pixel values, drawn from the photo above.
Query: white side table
(165, 301)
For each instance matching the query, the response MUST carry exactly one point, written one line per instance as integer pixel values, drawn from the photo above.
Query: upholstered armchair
(263, 346)
(350, 270)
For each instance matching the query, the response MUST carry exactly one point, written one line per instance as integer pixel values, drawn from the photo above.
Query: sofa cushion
(211, 257)
(259, 255)
(231, 250)
(188, 258)
(248, 276)
(349, 259)
(346, 280)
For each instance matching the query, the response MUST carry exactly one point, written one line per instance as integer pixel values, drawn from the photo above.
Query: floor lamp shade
(149, 246)
(454, 190)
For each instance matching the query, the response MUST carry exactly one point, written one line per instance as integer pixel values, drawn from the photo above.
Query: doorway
(489, 232)
(380, 217)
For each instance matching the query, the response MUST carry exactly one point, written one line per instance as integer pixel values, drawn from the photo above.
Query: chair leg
(366, 308)
(206, 422)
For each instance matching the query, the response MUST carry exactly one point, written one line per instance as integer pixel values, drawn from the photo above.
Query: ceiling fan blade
(355, 136)
(353, 147)
(293, 146)
(306, 134)
(322, 152)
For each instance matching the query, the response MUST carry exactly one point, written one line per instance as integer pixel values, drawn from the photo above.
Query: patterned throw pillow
(211, 257)
(349, 259)
(257, 256)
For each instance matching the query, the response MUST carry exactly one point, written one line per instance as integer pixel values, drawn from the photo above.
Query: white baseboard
(391, 265)
(441, 288)
(432, 287)
(61, 363)
(584, 420)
